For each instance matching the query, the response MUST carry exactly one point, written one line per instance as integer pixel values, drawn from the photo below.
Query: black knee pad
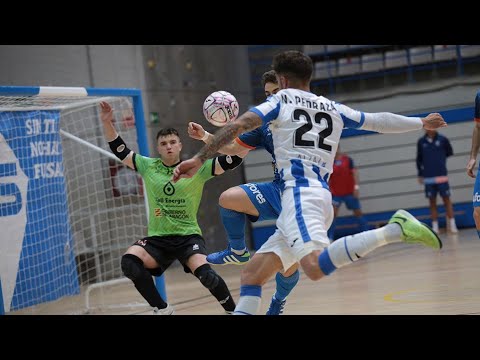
(207, 276)
(156, 272)
(132, 266)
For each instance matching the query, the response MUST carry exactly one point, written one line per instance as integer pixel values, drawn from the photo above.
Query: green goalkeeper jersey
(172, 207)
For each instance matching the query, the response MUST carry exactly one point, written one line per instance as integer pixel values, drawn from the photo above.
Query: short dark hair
(294, 64)
(166, 132)
(269, 77)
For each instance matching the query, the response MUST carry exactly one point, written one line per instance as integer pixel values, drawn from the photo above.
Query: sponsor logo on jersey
(476, 197)
(169, 189)
(160, 200)
(258, 195)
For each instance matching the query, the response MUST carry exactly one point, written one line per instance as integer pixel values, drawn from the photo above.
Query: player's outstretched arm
(385, 122)
(106, 116)
(197, 132)
(474, 151)
(248, 121)
(393, 123)
(186, 169)
(118, 147)
(433, 121)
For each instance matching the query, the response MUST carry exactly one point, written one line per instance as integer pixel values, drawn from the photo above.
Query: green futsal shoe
(414, 231)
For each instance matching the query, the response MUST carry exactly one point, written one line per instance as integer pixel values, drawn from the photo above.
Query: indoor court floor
(397, 279)
(394, 279)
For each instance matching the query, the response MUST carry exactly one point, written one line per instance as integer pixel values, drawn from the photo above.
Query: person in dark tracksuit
(433, 149)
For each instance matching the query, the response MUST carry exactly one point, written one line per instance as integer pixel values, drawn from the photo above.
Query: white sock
(452, 223)
(248, 305)
(239, 252)
(351, 248)
(392, 233)
(434, 224)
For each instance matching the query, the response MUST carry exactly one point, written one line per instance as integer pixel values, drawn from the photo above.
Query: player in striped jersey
(257, 201)
(306, 129)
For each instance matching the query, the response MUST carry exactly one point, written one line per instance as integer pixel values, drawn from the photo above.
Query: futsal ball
(220, 107)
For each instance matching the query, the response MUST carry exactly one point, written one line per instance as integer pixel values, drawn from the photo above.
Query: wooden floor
(395, 279)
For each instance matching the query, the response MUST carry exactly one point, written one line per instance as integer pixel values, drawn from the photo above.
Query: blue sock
(363, 223)
(325, 263)
(234, 223)
(478, 232)
(285, 284)
(250, 300)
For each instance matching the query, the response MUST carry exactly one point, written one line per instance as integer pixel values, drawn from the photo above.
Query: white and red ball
(220, 107)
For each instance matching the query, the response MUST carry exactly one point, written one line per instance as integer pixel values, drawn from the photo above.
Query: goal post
(2, 309)
(68, 207)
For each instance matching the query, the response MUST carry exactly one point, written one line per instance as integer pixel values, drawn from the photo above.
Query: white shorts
(302, 226)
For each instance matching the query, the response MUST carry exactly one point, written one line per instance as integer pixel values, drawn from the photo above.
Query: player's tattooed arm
(196, 131)
(248, 121)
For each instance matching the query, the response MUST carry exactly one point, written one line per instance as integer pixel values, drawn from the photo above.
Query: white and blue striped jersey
(306, 129)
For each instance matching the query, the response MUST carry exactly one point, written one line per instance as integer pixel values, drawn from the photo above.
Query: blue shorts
(350, 201)
(476, 190)
(266, 197)
(431, 190)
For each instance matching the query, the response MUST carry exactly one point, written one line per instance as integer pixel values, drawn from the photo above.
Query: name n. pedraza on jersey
(306, 129)
(309, 104)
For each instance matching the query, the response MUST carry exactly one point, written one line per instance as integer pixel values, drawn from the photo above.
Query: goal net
(68, 207)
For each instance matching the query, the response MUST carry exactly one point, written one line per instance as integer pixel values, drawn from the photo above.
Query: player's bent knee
(313, 275)
(132, 266)
(310, 266)
(223, 199)
(156, 272)
(313, 272)
(251, 276)
(232, 198)
(207, 276)
(290, 271)
(227, 199)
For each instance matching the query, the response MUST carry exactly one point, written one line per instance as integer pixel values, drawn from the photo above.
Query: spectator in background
(344, 186)
(432, 152)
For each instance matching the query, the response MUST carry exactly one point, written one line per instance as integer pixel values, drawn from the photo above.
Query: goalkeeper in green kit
(173, 231)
